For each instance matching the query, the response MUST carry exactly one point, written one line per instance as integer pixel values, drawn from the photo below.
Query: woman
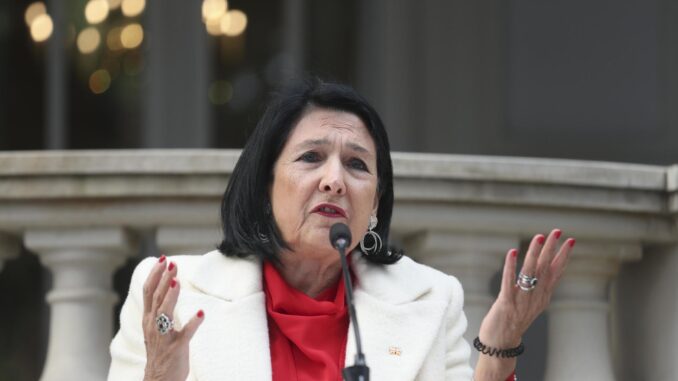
(270, 303)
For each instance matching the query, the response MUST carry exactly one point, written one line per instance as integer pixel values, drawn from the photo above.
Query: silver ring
(526, 282)
(164, 324)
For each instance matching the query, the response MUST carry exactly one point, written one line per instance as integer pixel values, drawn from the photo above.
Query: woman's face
(326, 173)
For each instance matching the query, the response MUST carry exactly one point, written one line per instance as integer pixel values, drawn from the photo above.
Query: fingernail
(162, 259)
(173, 283)
(171, 266)
(557, 233)
(571, 242)
(201, 314)
(540, 239)
(514, 253)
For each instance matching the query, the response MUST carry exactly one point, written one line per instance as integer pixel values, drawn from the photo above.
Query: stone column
(173, 240)
(57, 94)
(474, 259)
(177, 54)
(82, 262)
(578, 318)
(9, 248)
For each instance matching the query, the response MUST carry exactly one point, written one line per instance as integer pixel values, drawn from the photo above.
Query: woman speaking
(269, 304)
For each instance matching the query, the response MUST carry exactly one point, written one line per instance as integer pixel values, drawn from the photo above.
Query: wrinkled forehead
(322, 126)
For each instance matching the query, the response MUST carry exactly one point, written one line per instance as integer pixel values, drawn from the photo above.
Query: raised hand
(521, 301)
(166, 346)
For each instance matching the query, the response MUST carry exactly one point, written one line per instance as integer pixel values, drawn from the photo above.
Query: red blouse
(307, 335)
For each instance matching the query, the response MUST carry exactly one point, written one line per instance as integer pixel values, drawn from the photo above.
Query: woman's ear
(375, 206)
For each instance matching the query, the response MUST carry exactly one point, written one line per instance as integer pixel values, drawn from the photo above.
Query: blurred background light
(213, 9)
(131, 36)
(236, 24)
(220, 92)
(131, 8)
(113, 39)
(41, 27)
(99, 81)
(213, 26)
(114, 4)
(96, 11)
(88, 40)
(34, 10)
(225, 22)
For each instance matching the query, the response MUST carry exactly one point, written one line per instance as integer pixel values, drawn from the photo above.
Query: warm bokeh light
(220, 92)
(131, 8)
(225, 23)
(96, 11)
(213, 9)
(213, 27)
(113, 39)
(99, 81)
(34, 10)
(237, 23)
(131, 36)
(114, 4)
(41, 28)
(88, 40)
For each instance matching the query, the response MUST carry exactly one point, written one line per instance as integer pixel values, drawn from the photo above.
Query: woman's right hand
(166, 355)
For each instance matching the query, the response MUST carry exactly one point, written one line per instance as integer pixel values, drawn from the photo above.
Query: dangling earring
(376, 245)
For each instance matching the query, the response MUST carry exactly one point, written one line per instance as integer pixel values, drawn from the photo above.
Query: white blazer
(410, 315)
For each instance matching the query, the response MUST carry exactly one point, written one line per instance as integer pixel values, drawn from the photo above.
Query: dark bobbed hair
(247, 221)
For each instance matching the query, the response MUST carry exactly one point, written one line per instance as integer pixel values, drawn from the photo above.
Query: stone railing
(82, 213)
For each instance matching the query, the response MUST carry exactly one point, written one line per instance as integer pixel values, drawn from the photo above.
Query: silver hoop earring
(375, 247)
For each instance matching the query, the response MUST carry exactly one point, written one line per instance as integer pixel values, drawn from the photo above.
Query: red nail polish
(514, 253)
(571, 242)
(162, 259)
(557, 233)
(201, 314)
(541, 239)
(173, 283)
(171, 266)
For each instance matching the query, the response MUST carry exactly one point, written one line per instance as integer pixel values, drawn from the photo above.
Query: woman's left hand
(515, 309)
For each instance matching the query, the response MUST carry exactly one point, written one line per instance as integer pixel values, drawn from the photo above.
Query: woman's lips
(329, 210)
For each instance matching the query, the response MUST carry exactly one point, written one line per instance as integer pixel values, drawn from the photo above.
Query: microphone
(340, 238)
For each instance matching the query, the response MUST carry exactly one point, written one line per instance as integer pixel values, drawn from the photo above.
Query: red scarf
(307, 336)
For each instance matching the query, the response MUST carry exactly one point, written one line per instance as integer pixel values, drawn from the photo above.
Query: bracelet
(504, 353)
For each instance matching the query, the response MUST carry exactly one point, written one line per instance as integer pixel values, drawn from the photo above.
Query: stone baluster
(578, 317)
(9, 248)
(172, 240)
(82, 262)
(474, 259)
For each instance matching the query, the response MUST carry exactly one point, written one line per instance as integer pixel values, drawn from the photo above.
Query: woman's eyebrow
(311, 143)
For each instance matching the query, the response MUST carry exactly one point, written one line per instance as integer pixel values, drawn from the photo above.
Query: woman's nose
(333, 179)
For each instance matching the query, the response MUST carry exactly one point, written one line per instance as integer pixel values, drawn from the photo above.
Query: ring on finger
(526, 282)
(164, 324)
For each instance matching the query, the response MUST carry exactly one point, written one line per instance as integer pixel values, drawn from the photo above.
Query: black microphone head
(340, 235)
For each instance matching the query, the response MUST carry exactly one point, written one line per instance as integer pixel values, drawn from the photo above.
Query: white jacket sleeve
(458, 351)
(128, 352)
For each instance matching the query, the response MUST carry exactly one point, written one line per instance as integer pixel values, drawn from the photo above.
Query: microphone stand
(359, 371)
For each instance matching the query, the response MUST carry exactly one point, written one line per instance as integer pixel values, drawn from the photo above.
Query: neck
(310, 276)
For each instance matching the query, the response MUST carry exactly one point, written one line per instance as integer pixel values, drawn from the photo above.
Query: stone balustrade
(81, 213)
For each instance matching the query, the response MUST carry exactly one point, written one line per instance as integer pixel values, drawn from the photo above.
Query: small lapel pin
(395, 351)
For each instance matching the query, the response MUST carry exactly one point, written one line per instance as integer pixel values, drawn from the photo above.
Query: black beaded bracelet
(504, 353)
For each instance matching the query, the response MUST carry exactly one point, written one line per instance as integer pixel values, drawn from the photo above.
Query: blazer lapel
(397, 328)
(232, 343)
